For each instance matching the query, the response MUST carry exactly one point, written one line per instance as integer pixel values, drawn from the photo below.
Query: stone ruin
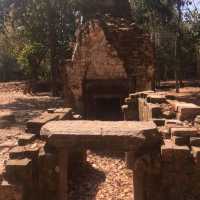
(112, 58)
(159, 135)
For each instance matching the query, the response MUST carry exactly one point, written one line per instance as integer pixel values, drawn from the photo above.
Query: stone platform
(122, 135)
(139, 138)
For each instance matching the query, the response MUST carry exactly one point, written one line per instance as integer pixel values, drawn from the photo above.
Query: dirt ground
(105, 177)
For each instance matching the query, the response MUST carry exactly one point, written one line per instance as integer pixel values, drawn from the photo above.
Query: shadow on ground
(84, 182)
(25, 109)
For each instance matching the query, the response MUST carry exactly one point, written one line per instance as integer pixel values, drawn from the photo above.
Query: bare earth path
(105, 177)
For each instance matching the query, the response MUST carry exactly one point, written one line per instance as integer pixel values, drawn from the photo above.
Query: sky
(196, 3)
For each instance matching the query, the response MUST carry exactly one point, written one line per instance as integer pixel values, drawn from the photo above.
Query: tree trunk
(55, 75)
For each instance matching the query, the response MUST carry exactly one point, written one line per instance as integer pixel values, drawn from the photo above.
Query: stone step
(34, 125)
(19, 170)
(22, 152)
(26, 139)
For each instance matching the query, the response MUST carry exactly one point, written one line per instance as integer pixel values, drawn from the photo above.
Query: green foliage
(30, 53)
(43, 31)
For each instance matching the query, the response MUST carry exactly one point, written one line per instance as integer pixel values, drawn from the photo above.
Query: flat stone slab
(100, 134)
(34, 125)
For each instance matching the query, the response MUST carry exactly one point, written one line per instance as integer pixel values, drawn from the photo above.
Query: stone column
(139, 180)
(63, 174)
(129, 159)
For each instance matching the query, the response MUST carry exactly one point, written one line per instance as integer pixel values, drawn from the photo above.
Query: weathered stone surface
(156, 98)
(22, 152)
(26, 139)
(34, 125)
(173, 123)
(181, 154)
(94, 134)
(195, 141)
(196, 154)
(154, 111)
(18, 170)
(181, 141)
(159, 122)
(107, 50)
(165, 132)
(10, 192)
(7, 116)
(167, 151)
(184, 131)
(187, 111)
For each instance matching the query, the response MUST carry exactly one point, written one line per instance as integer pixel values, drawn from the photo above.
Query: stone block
(7, 116)
(144, 94)
(170, 97)
(187, 111)
(154, 111)
(181, 141)
(195, 141)
(34, 125)
(167, 151)
(19, 170)
(181, 154)
(173, 123)
(128, 100)
(165, 132)
(65, 113)
(184, 132)
(26, 139)
(159, 122)
(22, 152)
(168, 114)
(156, 99)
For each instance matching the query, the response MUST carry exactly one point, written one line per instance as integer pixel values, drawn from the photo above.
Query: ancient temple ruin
(112, 57)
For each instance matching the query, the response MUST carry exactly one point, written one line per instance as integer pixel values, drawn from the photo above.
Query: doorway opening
(108, 109)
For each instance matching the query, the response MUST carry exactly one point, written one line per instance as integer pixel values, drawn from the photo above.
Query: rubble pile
(178, 124)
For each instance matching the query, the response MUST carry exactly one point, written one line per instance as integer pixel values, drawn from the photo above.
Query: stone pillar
(139, 180)
(129, 159)
(63, 174)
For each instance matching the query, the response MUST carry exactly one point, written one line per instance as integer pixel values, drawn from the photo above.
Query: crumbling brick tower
(112, 57)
